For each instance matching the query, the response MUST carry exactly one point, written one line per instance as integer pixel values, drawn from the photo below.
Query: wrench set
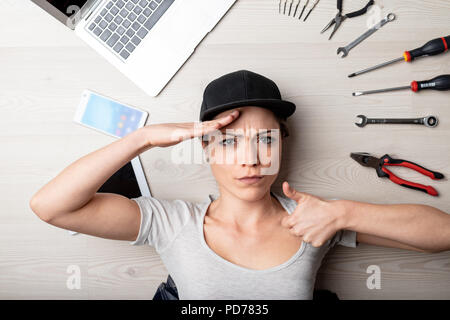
(438, 83)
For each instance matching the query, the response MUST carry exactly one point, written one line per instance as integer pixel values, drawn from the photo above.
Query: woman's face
(249, 146)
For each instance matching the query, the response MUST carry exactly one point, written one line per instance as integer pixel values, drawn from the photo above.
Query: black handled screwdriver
(440, 83)
(431, 48)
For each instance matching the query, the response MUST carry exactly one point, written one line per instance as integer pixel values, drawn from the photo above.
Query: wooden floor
(45, 67)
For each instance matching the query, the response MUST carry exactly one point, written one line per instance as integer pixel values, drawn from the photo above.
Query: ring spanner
(430, 121)
(345, 50)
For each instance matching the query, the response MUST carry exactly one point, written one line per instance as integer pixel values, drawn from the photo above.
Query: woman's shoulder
(172, 205)
(163, 219)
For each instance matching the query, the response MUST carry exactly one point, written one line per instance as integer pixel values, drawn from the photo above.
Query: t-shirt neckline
(235, 266)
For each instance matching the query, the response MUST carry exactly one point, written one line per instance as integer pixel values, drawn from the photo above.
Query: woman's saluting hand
(169, 134)
(314, 219)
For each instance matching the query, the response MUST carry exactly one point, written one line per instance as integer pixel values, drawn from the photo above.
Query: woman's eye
(232, 141)
(228, 142)
(267, 140)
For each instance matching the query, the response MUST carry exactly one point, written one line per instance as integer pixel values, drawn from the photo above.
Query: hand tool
(312, 8)
(429, 121)
(339, 18)
(304, 6)
(296, 7)
(380, 164)
(440, 83)
(290, 7)
(431, 48)
(390, 17)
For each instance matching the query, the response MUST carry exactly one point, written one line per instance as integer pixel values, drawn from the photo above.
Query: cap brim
(281, 108)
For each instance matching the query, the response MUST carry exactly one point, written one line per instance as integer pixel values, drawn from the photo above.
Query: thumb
(292, 193)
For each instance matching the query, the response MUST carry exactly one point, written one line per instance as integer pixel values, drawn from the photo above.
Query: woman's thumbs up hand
(314, 219)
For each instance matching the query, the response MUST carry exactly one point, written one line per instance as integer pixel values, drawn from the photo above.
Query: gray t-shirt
(175, 229)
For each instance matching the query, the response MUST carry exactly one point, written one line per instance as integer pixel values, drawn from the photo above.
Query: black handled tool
(339, 18)
(379, 164)
(431, 48)
(440, 83)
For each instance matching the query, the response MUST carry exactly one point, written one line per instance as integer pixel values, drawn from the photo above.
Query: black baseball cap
(243, 88)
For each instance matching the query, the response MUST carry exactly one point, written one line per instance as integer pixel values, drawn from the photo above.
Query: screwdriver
(303, 10)
(431, 48)
(312, 8)
(440, 83)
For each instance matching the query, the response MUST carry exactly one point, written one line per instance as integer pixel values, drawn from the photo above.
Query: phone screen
(122, 182)
(110, 116)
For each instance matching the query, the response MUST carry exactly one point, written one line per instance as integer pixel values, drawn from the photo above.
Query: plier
(337, 21)
(379, 164)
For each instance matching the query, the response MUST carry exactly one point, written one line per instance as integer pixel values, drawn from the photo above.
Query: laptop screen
(68, 7)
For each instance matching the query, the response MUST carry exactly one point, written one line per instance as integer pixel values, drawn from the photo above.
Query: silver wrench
(345, 50)
(429, 121)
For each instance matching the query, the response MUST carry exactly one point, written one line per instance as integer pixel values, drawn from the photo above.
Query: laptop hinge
(82, 13)
(91, 7)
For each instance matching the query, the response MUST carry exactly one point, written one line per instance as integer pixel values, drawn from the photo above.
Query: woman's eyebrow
(264, 131)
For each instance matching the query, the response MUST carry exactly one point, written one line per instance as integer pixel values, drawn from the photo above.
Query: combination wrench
(345, 50)
(429, 121)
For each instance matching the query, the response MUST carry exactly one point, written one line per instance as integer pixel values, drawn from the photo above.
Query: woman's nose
(248, 153)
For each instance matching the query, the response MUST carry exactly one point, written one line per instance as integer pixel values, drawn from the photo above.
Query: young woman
(249, 242)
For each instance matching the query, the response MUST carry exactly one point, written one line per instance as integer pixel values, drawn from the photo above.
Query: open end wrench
(429, 121)
(345, 50)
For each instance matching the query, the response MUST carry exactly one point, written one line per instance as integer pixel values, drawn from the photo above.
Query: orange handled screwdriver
(431, 48)
(440, 83)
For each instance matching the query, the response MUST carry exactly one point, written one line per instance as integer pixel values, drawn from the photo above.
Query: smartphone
(108, 116)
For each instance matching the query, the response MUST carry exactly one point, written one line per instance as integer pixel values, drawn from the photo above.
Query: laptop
(147, 40)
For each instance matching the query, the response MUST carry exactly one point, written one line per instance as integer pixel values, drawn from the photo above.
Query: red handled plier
(379, 164)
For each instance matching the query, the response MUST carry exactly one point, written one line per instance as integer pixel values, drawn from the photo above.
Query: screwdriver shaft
(306, 17)
(296, 7)
(360, 93)
(303, 10)
(376, 67)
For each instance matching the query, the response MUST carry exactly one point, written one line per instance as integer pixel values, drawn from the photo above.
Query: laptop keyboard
(123, 24)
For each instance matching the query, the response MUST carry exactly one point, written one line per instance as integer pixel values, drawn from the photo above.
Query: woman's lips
(251, 180)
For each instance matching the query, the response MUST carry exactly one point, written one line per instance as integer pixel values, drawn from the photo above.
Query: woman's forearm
(77, 184)
(420, 226)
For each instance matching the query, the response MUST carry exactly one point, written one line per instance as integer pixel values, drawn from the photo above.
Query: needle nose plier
(379, 164)
(337, 20)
